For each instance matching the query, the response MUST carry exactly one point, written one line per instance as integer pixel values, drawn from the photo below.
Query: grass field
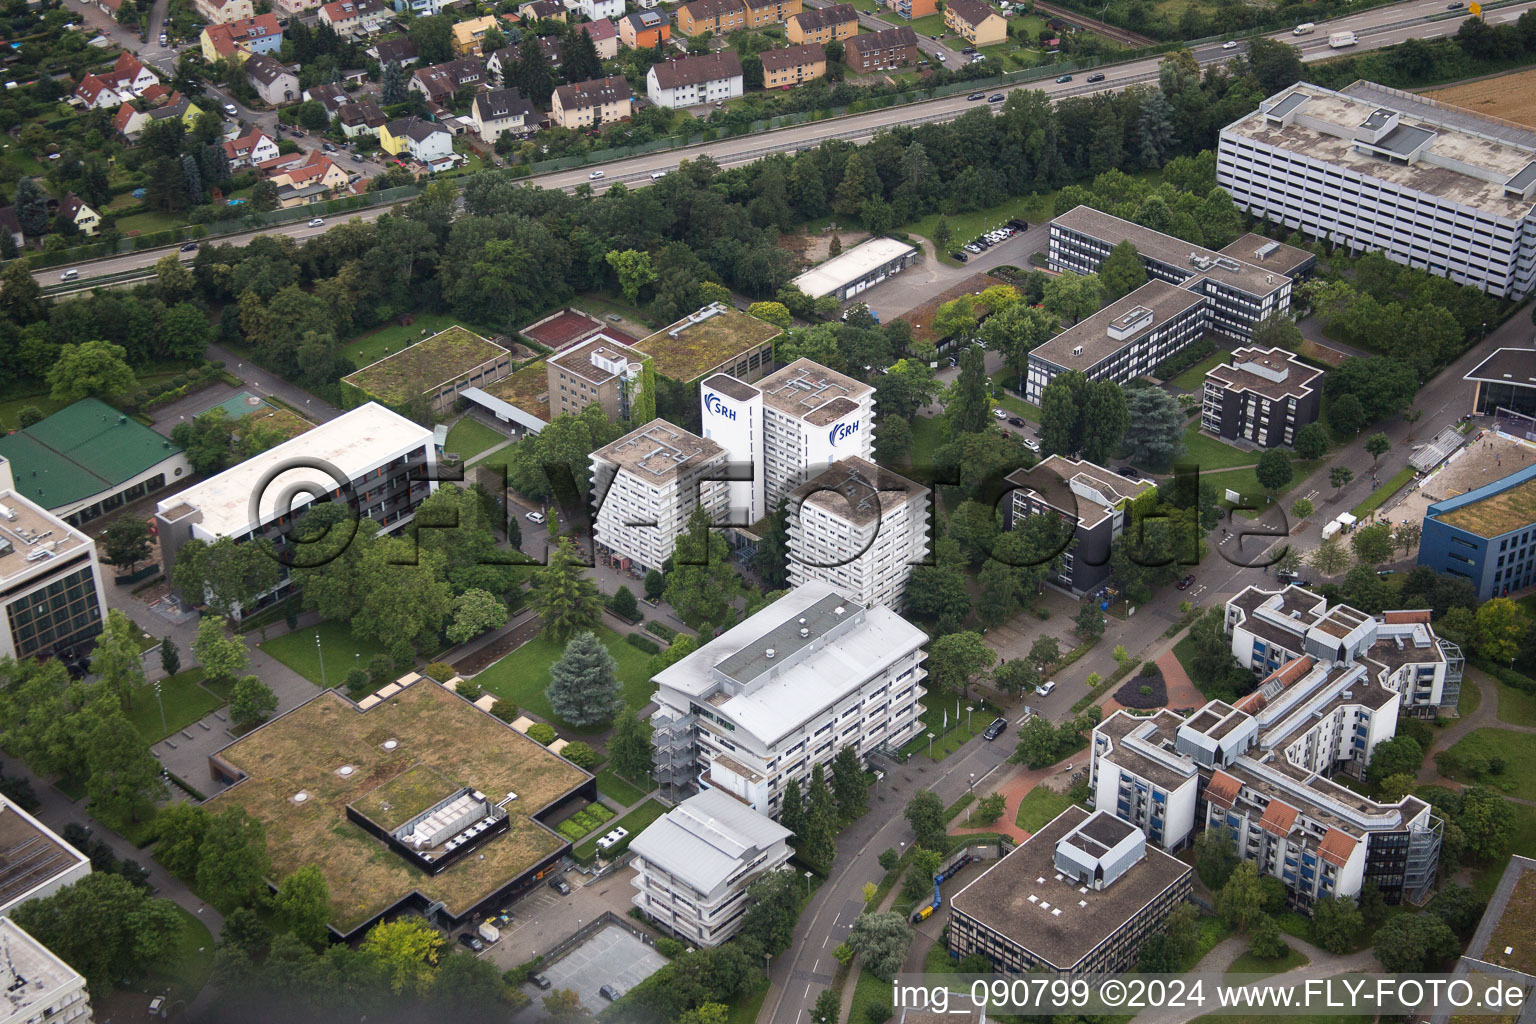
(1518, 753)
(1379, 496)
(868, 991)
(619, 789)
(965, 226)
(375, 345)
(190, 966)
(469, 437)
(745, 1008)
(932, 25)
(1516, 707)
(148, 223)
(1210, 454)
(929, 434)
(1471, 698)
(1246, 481)
(1193, 379)
(343, 652)
(522, 676)
(1038, 807)
(10, 407)
(635, 822)
(1250, 964)
(185, 701)
(1512, 97)
(947, 741)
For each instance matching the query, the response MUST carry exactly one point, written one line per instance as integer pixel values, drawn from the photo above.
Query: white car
(534, 517)
(1230, 44)
(594, 175)
(1001, 414)
(1044, 689)
(1032, 445)
(231, 110)
(318, 222)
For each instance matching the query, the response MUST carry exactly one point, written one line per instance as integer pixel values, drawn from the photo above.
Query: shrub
(357, 682)
(543, 732)
(439, 670)
(504, 709)
(469, 691)
(1145, 691)
(1150, 669)
(645, 644)
(669, 947)
(623, 603)
(580, 754)
(662, 630)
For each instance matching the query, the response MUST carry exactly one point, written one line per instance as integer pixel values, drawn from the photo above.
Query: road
(1384, 26)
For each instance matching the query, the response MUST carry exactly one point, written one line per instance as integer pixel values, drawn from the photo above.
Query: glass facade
(62, 612)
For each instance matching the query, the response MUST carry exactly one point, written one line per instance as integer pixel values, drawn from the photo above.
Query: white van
(658, 175)
(70, 275)
(1306, 28)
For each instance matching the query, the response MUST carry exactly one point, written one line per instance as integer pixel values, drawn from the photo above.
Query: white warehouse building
(862, 267)
(645, 486)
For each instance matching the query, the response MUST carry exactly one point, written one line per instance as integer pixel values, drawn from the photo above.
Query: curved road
(1384, 26)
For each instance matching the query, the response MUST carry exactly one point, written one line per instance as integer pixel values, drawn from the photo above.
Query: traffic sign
(1476, 9)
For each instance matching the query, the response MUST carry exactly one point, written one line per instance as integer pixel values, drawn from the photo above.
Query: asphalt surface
(1385, 26)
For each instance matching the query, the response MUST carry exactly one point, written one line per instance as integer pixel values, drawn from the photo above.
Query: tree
(31, 208)
(232, 863)
(828, 1007)
(563, 1006)
(629, 748)
(1395, 756)
(170, 656)
(94, 369)
(222, 655)
(1378, 445)
(702, 583)
(849, 784)
(1266, 941)
(126, 541)
(1089, 621)
(1501, 625)
(634, 270)
(1074, 296)
(968, 403)
(772, 312)
(117, 660)
(105, 927)
(772, 908)
(1329, 558)
(925, 813)
(1122, 271)
(818, 842)
(1459, 907)
(303, 905)
(123, 778)
(953, 660)
(1372, 544)
(1346, 415)
(1240, 902)
(474, 612)
(1154, 436)
(564, 596)
(882, 940)
(1312, 441)
(655, 584)
(225, 576)
(251, 702)
(1336, 924)
(392, 83)
(1044, 651)
(179, 832)
(792, 809)
(1339, 476)
(1215, 859)
(623, 603)
(1410, 943)
(1274, 469)
(408, 949)
(584, 685)
(1301, 508)
(1487, 823)
(771, 559)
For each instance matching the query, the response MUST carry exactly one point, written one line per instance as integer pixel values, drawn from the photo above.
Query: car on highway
(1063, 78)
(1032, 445)
(595, 175)
(1186, 582)
(1230, 44)
(996, 97)
(70, 275)
(1458, 5)
(317, 222)
(1097, 76)
(534, 517)
(1045, 688)
(470, 942)
(973, 97)
(995, 730)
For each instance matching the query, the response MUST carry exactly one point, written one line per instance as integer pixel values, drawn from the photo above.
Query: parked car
(327, 147)
(1129, 471)
(540, 980)
(1032, 445)
(1014, 421)
(1186, 582)
(534, 517)
(231, 110)
(357, 158)
(1063, 78)
(189, 247)
(609, 992)
(968, 49)
(1001, 414)
(1019, 225)
(471, 942)
(157, 1004)
(1230, 44)
(594, 175)
(1097, 76)
(560, 886)
(995, 729)
(317, 222)
(164, 39)
(972, 247)
(957, 255)
(941, 57)
(1045, 688)
(973, 97)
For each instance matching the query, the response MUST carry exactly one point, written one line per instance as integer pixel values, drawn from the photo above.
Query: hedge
(645, 644)
(662, 630)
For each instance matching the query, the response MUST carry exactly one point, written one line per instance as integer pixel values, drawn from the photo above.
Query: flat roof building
(645, 486)
(603, 371)
(860, 528)
(693, 865)
(1090, 498)
(1264, 396)
(34, 861)
(864, 266)
(1378, 169)
(1486, 536)
(52, 603)
(812, 417)
(1079, 896)
(446, 363)
(715, 339)
(1505, 380)
(88, 459)
(784, 691)
(37, 985)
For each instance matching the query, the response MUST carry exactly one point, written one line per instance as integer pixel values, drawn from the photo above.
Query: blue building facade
(1486, 536)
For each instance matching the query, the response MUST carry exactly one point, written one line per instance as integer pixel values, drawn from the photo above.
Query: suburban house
(129, 78)
(364, 117)
(422, 8)
(605, 36)
(401, 50)
(293, 8)
(708, 78)
(644, 29)
(714, 16)
(467, 35)
(420, 139)
(329, 95)
(11, 226)
(598, 10)
(501, 62)
(883, 50)
(537, 10)
(251, 149)
(503, 110)
(355, 17)
(585, 104)
(237, 40)
(976, 21)
(273, 82)
(74, 210)
(130, 120)
(218, 12)
(770, 12)
(309, 183)
(439, 82)
(910, 9)
(823, 24)
(549, 46)
(783, 69)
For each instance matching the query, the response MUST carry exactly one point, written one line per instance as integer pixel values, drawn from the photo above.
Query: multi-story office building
(1486, 536)
(598, 370)
(1262, 395)
(1079, 896)
(812, 417)
(645, 486)
(1124, 340)
(1373, 168)
(40, 862)
(377, 461)
(784, 691)
(693, 865)
(732, 416)
(51, 598)
(860, 528)
(1243, 283)
(1088, 498)
(1505, 380)
(38, 985)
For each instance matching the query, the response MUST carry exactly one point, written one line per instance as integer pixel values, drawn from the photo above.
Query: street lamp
(807, 883)
(320, 652)
(164, 730)
(972, 791)
(968, 709)
(930, 746)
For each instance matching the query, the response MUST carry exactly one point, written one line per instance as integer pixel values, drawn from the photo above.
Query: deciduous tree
(232, 863)
(94, 369)
(925, 813)
(882, 940)
(251, 702)
(303, 904)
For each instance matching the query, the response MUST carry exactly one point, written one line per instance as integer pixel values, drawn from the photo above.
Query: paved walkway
(266, 383)
(1485, 717)
(1015, 786)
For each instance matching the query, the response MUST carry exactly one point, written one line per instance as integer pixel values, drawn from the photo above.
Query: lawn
(469, 437)
(343, 652)
(1246, 481)
(522, 676)
(1020, 408)
(185, 974)
(965, 226)
(868, 991)
(1518, 753)
(364, 349)
(1184, 650)
(1210, 454)
(618, 789)
(1250, 964)
(745, 1008)
(184, 699)
(1471, 699)
(150, 222)
(948, 740)
(1516, 707)
(12, 406)
(635, 822)
(1396, 482)
(1193, 379)
(932, 25)
(1038, 807)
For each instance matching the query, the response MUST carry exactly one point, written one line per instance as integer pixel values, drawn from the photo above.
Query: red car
(1185, 582)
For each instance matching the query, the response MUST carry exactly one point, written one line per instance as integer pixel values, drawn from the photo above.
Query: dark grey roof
(264, 69)
(1523, 180)
(414, 128)
(402, 48)
(708, 67)
(500, 103)
(1287, 105)
(362, 112)
(792, 56)
(593, 93)
(1507, 366)
(784, 639)
(886, 38)
(1378, 118)
(721, 382)
(1405, 139)
(814, 18)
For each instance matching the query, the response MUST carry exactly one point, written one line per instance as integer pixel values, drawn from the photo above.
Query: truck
(1339, 40)
(1306, 28)
(488, 932)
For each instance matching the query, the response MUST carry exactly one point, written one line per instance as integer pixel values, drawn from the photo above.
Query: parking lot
(612, 956)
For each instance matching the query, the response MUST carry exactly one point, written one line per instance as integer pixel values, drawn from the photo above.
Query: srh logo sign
(715, 407)
(842, 432)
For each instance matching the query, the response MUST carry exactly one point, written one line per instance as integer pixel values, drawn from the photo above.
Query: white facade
(431, 147)
(1136, 778)
(596, 10)
(645, 486)
(692, 94)
(1373, 168)
(860, 268)
(38, 985)
(50, 579)
(693, 865)
(812, 417)
(784, 691)
(860, 528)
(732, 416)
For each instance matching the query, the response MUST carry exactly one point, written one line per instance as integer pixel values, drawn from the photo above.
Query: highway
(1383, 26)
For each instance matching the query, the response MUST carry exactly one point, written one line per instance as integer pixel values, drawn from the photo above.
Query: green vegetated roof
(81, 450)
(423, 366)
(1496, 514)
(700, 347)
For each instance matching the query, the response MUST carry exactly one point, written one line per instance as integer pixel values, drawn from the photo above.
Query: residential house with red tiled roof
(219, 12)
(248, 150)
(605, 36)
(237, 40)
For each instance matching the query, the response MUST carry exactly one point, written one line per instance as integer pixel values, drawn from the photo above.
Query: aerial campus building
(36, 984)
(1373, 168)
(645, 485)
(1264, 396)
(850, 273)
(37, 862)
(1093, 499)
(1486, 536)
(51, 599)
(784, 691)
